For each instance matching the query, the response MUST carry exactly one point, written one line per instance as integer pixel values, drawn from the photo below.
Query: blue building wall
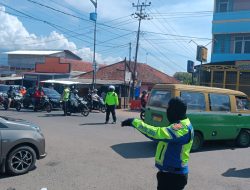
(227, 25)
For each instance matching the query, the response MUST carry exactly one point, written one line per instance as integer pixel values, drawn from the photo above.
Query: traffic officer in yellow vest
(174, 145)
(65, 99)
(111, 101)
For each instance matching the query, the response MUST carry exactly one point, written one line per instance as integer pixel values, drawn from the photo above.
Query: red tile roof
(82, 66)
(146, 74)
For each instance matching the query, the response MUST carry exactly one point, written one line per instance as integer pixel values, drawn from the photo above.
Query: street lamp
(93, 17)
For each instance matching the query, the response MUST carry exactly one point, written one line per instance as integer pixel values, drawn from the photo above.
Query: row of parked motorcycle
(51, 101)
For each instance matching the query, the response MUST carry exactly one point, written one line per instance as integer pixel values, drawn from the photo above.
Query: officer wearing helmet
(174, 145)
(111, 102)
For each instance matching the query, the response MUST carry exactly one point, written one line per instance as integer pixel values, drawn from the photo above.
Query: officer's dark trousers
(171, 181)
(65, 107)
(112, 110)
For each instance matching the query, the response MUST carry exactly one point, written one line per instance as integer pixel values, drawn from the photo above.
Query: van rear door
(155, 113)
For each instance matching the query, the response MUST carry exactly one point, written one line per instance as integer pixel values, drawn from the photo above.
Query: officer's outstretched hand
(127, 122)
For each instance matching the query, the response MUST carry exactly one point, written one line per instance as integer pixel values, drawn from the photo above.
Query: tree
(184, 77)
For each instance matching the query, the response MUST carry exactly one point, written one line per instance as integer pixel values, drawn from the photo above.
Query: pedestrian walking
(111, 101)
(65, 99)
(174, 145)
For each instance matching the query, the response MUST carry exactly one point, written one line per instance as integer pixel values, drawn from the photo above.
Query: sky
(169, 36)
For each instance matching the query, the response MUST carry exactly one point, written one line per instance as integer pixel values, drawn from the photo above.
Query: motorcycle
(2, 98)
(43, 104)
(96, 105)
(15, 103)
(78, 105)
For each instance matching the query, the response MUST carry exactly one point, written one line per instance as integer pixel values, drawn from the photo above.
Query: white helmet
(111, 87)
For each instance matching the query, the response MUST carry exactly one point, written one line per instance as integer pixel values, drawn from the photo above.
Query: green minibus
(215, 113)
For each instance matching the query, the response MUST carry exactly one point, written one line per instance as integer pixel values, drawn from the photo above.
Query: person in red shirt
(22, 90)
(38, 94)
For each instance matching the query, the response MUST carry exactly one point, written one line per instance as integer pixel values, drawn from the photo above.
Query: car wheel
(21, 160)
(197, 141)
(243, 139)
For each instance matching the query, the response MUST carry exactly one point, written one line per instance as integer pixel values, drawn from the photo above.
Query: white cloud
(14, 36)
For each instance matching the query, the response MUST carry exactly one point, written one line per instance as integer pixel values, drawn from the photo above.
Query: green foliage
(184, 77)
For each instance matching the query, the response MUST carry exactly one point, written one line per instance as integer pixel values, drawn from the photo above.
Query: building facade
(231, 30)
(230, 56)
(26, 60)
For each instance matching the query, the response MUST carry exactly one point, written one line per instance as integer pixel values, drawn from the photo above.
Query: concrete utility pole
(140, 15)
(93, 16)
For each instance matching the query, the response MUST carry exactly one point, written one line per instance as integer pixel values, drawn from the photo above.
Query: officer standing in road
(111, 102)
(65, 99)
(174, 145)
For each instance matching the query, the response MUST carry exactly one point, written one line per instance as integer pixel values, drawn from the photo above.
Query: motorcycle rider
(73, 97)
(38, 95)
(144, 99)
(11, 95)
(22, 90)
(95, 98)
(111, 102)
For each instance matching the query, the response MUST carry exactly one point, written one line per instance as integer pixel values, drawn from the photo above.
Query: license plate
(157, 118)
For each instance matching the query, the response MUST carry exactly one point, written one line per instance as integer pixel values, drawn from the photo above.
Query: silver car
(21, 144)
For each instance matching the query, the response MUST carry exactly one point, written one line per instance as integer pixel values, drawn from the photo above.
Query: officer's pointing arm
(154, 133)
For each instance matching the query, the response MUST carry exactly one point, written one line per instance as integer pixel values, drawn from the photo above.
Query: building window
(242, 45)
(223, 6)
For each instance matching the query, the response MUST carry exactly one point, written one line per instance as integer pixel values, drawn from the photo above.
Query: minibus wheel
(243, 139)
(197, 141)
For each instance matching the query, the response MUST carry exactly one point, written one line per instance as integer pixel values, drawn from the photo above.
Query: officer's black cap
(176, 110)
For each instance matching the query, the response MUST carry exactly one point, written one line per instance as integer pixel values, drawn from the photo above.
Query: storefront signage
(243, 65)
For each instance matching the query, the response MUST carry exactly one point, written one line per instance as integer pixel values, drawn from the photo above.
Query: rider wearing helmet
(111, 102)
(11, 95)
(95, 98)
(38, 94)
(22, 90)
(144, 98)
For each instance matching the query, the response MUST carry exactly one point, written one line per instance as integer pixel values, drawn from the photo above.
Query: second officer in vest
(111, 101)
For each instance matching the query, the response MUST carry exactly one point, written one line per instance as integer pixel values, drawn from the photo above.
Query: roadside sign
(128, 76)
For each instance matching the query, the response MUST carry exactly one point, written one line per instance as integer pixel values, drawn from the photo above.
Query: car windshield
(4, 88)
(51, 92)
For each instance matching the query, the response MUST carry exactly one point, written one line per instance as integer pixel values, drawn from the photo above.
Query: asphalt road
(85, 154)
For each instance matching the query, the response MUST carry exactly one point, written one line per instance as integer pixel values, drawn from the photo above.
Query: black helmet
(176, 110)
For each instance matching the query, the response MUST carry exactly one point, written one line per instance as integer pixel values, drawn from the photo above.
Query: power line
(106, 24)
(163, 63)
(140, 15)
(59, 28)
(164, 55)
(181, 44)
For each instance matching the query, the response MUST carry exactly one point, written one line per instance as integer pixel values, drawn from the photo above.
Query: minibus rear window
(159, 98)
(242, 103)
